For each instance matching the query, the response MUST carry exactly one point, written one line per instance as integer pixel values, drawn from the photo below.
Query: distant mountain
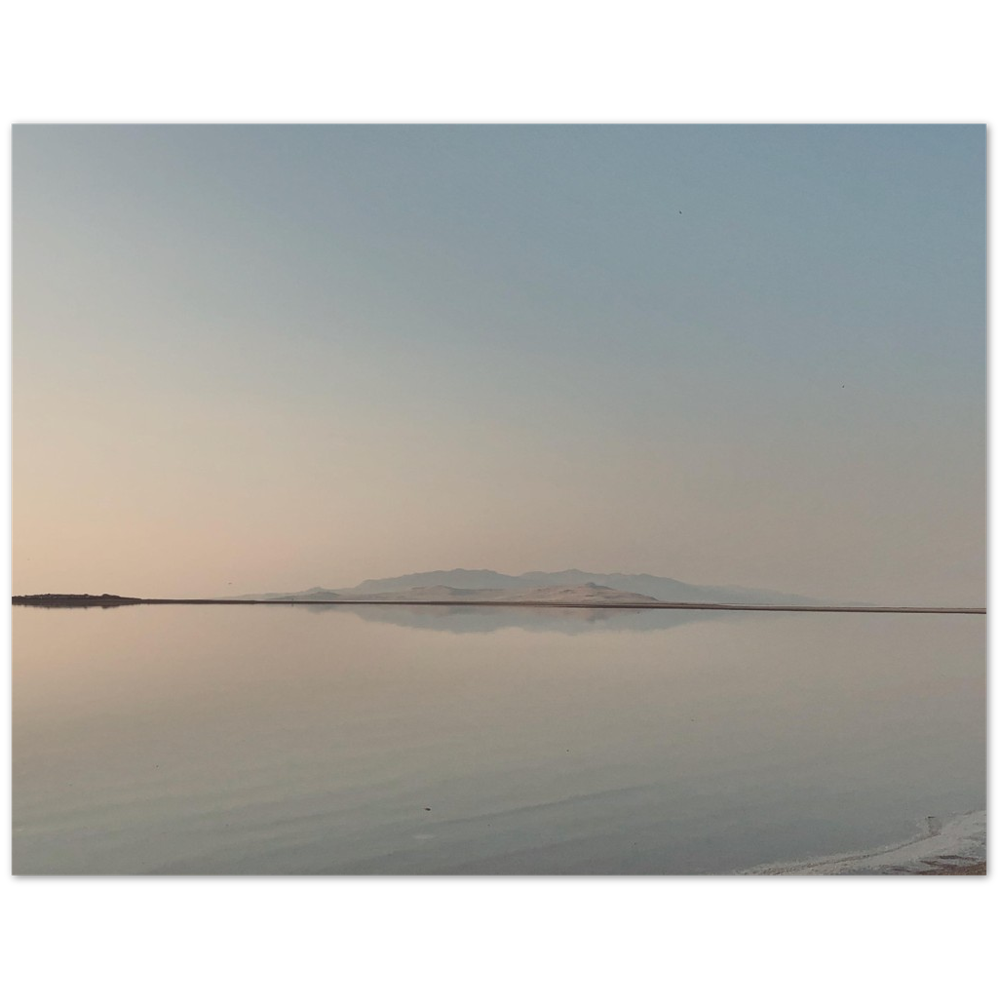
(463, 579)
(661, 588)
(486, 584)
(584, 594)
(313, 594)
(429, 594)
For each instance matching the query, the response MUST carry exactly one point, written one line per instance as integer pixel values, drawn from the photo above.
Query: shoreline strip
(106, 601)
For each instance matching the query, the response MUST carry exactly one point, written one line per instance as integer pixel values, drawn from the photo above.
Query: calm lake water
(290, 740)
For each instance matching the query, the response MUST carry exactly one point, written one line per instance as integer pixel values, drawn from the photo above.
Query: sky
(253, 358)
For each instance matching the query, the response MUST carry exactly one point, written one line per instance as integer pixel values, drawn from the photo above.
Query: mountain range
(570, 585)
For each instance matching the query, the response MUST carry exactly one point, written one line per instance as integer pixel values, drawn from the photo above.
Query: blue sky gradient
(271, 357)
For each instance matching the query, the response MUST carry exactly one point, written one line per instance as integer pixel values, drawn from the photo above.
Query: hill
(660, 588)
(569, 586)
(584, 594)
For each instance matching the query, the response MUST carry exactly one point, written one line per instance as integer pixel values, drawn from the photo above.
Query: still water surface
(294, 740)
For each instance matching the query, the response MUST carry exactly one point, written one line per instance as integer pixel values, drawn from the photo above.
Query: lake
(376, 740)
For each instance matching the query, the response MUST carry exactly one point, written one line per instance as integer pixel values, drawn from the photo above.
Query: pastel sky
(274, 357)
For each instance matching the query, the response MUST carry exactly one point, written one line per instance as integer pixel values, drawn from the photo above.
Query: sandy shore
(976, 868)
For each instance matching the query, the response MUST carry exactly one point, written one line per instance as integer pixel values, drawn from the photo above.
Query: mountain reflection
(569, 621)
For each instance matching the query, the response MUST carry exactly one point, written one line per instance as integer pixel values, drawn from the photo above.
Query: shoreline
(976, 868)
(113, 600)
(954, 845)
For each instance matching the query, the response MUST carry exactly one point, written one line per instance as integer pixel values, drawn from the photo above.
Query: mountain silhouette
(463, 584)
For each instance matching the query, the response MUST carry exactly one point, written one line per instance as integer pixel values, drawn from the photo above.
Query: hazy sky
(274, 357)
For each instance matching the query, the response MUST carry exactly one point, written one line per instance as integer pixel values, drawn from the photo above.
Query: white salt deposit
(949, 842)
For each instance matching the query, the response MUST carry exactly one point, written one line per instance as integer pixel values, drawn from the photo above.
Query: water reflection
(255, 739)
(567, 621)
(466, 619)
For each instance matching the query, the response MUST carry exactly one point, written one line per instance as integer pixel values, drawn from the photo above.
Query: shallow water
(293, 740)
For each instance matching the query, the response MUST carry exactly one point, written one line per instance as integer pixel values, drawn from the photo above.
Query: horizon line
(114, 600)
